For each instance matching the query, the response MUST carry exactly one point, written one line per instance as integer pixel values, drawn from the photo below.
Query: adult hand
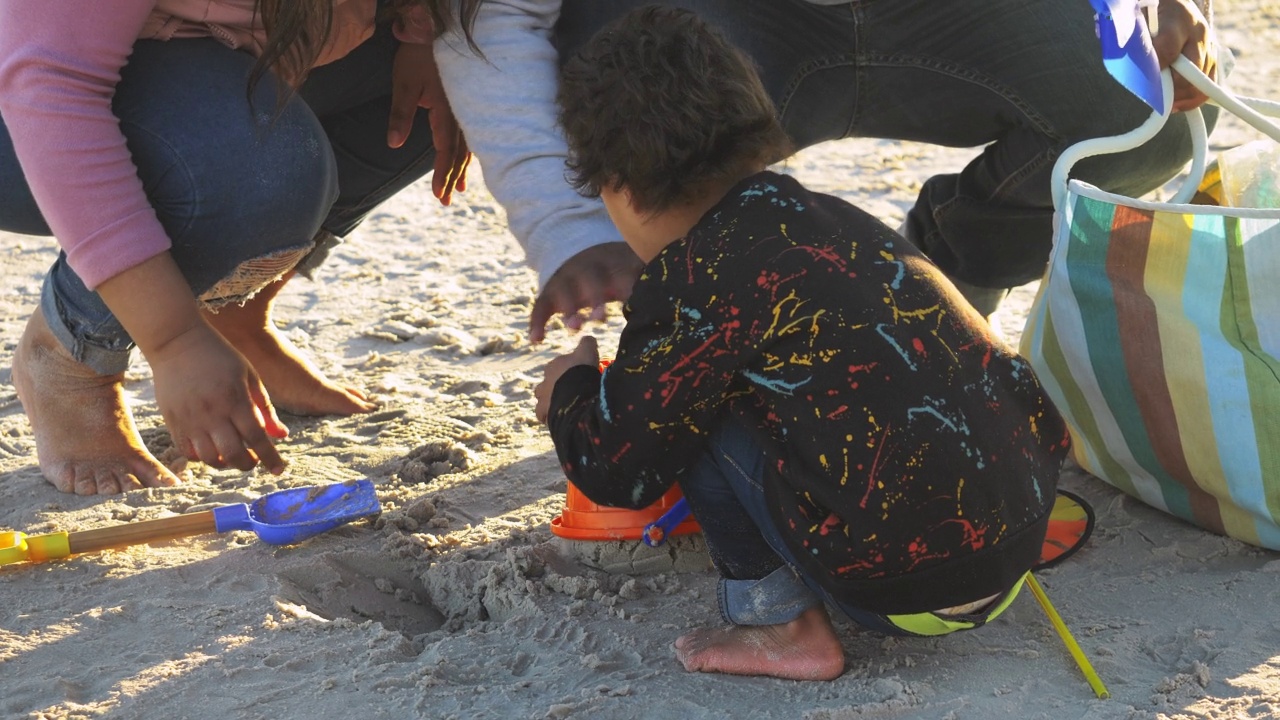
(587, 353)
(596, 276)
(213, 402)
(415, 83)
(1183, 30)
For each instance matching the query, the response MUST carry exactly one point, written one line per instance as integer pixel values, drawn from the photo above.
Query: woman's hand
(415, 83)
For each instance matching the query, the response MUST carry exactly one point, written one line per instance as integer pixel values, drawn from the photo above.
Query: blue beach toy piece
(1127, 52)
(291, 516)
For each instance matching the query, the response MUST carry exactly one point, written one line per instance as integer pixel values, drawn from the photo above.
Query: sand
(458, 602)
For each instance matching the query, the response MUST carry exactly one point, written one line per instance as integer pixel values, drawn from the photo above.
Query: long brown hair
(297, 31)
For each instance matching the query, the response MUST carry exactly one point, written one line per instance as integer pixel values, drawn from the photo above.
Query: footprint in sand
(362, 586)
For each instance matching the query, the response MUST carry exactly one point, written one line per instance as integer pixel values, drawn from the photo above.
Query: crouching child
(847, 430)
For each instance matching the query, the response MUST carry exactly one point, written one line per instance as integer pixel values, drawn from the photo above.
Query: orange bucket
(582, 519)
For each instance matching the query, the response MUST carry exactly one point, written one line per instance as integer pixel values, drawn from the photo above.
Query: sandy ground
(458, 602)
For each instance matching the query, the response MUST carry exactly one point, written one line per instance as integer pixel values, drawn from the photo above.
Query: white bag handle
(1251, 110)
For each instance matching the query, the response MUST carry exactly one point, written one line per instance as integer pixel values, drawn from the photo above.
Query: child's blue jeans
(760, 583)
(231, 181)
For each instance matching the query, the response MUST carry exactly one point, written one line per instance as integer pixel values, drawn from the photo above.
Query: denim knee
(241, 185)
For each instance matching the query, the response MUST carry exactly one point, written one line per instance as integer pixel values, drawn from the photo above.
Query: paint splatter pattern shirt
(907, 446)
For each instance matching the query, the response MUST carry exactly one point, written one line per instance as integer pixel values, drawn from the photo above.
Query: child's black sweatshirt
(913, 458)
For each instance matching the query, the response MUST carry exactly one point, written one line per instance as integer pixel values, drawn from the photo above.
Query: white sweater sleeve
(505, 103)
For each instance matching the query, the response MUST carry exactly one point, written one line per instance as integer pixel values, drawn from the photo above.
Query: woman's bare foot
(85, 437)
(294, 383)
(804, 649)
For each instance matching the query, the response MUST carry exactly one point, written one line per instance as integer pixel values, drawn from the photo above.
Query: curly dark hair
(660, 103)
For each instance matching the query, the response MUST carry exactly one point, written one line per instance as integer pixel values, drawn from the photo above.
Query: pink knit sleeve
(59, 65)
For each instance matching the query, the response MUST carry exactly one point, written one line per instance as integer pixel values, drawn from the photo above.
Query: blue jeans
(1024, 78)
(760, 580)
(232, 180)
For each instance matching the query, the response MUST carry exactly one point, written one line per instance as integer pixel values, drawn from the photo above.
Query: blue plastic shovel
(284, 517)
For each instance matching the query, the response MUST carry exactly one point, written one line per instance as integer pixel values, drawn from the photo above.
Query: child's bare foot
(85, 437)
(294, 383)
(804, 649)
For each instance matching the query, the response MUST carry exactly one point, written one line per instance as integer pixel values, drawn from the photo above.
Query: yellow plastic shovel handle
(18, 547)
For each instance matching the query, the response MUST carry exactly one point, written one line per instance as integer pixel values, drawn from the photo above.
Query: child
(183, 205)
(846, 429)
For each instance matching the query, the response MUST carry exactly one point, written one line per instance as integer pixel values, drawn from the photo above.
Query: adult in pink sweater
(188, 162)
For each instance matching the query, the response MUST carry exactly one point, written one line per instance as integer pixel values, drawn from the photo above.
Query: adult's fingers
(230, 441)
(404, 105)
(595, 276)
(251, 438)
(466, 164)
(1187, 96)
(266, 411)
(452, 155)
(554, 299)
(462, 161)
(206, 451)
(265, 425)
(567, 299)
(1183, 31)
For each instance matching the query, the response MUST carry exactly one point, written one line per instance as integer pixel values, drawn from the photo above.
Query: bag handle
(1251, 110)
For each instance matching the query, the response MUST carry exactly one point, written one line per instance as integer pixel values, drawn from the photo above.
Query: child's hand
(214, 404)
(585, 354)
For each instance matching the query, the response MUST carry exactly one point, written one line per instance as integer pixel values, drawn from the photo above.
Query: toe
(107, 481)
(358, 401)
(155, 475)
(129, 481)
(61, 477)
(85, 481)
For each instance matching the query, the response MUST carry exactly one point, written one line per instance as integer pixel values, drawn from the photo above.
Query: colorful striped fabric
(1157, 333)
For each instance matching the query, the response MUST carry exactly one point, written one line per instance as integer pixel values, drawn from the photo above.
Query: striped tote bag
(1157, 333)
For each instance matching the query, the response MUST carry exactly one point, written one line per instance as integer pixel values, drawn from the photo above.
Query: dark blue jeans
(1023, 78)
(760, 584)
(232, 180)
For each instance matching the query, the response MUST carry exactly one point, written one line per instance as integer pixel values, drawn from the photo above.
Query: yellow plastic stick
(1073, 647)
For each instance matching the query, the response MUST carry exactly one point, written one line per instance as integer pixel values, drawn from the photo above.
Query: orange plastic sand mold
(582, 519)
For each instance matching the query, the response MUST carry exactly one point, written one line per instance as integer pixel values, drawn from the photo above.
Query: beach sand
(458, 601)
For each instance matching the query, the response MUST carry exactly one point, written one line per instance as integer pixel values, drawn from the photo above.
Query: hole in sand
(362, 586)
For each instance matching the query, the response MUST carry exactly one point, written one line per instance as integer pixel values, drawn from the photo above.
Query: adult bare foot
(804, 649)
(294, 383)
(86, 440)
